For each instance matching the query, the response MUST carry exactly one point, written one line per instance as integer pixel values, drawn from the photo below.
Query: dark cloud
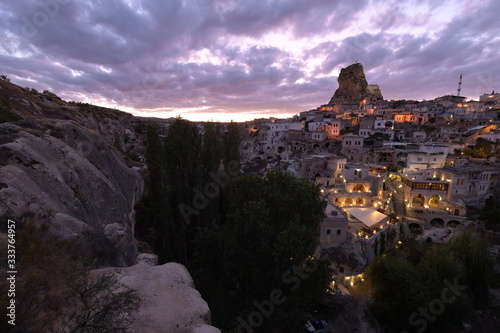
(209, 54)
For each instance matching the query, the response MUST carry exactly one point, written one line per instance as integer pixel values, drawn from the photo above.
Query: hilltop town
(388, 169)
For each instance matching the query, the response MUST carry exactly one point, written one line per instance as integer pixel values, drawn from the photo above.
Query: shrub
(4, 78)
(6, 115)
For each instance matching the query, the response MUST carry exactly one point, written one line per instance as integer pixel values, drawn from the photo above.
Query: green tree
(6, 114)
(211, 158)
(102, 304)
(54, 288)
(482, 149)
(491, 213)
(414, 277)
(184, 177)
(269, 239)
(211, 154)
(181, 166)
(152, 212)
(473, 253)
(231, 143)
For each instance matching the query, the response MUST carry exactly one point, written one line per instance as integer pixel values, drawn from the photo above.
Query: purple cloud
(235, 56)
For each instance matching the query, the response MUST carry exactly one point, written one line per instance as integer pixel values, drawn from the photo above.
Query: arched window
(418, 201)
(359, 188)
(360, 201)
(434, 200)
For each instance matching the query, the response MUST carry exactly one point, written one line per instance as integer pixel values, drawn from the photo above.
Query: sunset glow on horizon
(238, 60)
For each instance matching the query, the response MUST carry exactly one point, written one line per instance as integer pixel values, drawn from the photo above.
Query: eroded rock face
(353, 87)
(69, 178)
(169, 301)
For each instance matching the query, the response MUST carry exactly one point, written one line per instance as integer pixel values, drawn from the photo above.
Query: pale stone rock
(169, 301)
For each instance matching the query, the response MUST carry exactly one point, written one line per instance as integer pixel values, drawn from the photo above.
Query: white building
(333, 228)
(493, 97)
(417, 160)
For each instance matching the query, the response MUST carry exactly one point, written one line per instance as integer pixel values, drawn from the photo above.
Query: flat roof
(368, 216)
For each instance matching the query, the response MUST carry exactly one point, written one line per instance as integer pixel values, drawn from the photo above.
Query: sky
(238, 60)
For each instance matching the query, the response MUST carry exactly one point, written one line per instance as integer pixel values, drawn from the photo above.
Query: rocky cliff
(78, 168)
(353, 87)
(61, 165)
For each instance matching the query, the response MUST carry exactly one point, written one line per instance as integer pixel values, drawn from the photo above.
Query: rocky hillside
(353, 87)
(79, 169)
(65, 164)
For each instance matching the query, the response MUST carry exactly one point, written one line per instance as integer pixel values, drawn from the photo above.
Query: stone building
(333, 228)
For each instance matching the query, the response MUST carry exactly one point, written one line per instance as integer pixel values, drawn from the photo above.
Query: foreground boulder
(169, 301)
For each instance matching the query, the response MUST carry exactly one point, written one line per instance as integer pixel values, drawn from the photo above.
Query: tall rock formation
(353, 87)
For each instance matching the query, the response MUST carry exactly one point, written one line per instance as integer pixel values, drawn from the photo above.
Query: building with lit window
(493, 97)
(333, 228)
(358, 185)
(441, 195)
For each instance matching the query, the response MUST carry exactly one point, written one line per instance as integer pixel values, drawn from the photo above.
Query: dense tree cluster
(185, 189)
(260, 269)
(431, 288)
(482, 149)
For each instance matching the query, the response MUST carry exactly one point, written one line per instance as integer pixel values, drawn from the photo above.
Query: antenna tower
(459, 85)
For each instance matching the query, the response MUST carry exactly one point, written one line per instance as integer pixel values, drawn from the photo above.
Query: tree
(211, 158)
(182, 168)
(152, 211)
(482, 149)
(54, 287)
(211, 153)
(268, 243)
(103, 304)
(4, 78)
(413, 279)
(473, 253)
(6, 114)
(184, 177)
(490, 214)
(231, 143)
